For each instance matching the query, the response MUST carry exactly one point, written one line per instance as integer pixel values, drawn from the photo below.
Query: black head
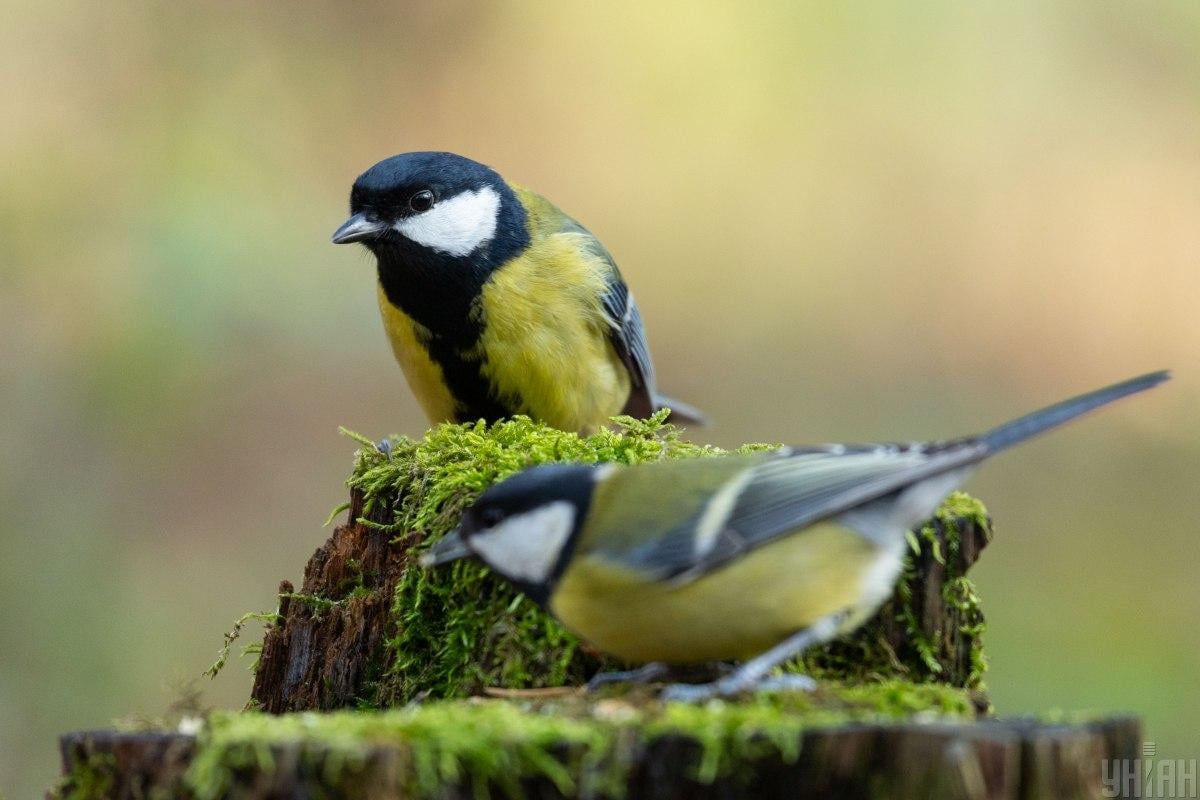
(438, 225)
(525, 527)
(437, 201)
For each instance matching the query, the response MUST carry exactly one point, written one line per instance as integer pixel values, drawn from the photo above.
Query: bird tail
(1017, 431)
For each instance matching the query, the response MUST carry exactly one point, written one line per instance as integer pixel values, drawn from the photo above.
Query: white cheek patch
(458, 225)
(527, 546)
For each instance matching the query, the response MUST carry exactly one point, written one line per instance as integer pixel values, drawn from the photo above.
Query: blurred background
(840, 224)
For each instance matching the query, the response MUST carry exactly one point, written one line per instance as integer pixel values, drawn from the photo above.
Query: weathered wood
(992, 760)
(124, 766)
(329, 639)
(1060, 761)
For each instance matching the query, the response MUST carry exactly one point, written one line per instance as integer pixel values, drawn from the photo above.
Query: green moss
(962, 506)
(234, 634)
(90, 778)
(582, 746)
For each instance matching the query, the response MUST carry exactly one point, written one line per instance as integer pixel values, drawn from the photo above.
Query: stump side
(110, 764)
(327, 647)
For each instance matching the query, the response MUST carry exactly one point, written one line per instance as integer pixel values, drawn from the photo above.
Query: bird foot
(646, 673)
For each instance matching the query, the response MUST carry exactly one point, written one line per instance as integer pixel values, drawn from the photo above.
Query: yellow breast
(545, 338)
(733, 613)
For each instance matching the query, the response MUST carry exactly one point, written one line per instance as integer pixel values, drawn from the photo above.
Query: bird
(496, 303)
(751, 558)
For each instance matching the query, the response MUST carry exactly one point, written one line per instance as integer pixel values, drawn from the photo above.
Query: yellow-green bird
(751, 557)
(495, 302)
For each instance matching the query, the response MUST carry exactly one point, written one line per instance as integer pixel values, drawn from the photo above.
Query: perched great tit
(742, 557)
(497, 303)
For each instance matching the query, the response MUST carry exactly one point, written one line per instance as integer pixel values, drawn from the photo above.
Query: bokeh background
(842, 222)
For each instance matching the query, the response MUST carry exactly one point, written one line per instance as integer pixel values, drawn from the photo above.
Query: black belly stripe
(466, 382)
(441, 294)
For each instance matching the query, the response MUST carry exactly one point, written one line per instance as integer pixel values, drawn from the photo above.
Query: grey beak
(359, 228)
(452, 547)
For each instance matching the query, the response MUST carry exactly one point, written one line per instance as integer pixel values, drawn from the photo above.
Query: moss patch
(90, 778)
(583, 747)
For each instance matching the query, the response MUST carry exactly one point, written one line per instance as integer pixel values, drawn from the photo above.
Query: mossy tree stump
(897, 713)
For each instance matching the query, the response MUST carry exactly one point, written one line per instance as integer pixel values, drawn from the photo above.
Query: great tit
(741, 557)
(495, 302)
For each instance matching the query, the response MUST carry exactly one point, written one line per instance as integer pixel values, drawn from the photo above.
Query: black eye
(421, 201)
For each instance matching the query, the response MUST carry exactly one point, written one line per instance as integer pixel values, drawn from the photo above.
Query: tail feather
(681, 413)
(1017, 431)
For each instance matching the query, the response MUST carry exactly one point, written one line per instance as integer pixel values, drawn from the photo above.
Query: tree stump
(895, 714)
(370, 628)
(104, 764)
(996, 760)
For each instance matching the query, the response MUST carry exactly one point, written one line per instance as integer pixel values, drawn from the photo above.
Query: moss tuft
(582, 747)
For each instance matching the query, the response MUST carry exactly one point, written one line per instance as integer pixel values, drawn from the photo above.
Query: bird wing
(625, 328)
(627, 334)
(628, 338)
(781, 494)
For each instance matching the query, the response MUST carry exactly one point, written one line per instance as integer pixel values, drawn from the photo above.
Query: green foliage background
(842, 222)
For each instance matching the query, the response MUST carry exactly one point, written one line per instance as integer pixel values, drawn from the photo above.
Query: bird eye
(421, 201)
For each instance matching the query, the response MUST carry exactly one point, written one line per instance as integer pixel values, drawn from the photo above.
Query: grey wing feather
(796, 489)
(778, 496)
(628, 336)
(627, 333)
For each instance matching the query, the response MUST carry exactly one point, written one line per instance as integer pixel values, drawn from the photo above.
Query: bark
(321, 656)
(123, 765)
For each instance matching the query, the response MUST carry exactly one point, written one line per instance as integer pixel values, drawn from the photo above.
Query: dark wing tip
(1031, 425)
